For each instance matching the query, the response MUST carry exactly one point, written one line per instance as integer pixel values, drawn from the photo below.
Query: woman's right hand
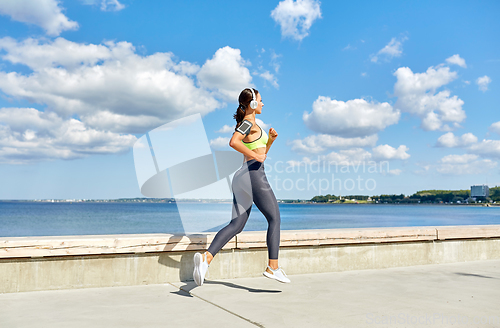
(260, 157)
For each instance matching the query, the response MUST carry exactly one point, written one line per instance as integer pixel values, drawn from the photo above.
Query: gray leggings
(250, 185)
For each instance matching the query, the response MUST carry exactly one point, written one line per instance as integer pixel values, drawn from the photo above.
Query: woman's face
(258, 110)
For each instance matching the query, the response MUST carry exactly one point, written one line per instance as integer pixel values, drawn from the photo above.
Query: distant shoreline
(206, 201)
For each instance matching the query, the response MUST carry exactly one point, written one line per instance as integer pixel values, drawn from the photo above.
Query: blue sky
(412, 85)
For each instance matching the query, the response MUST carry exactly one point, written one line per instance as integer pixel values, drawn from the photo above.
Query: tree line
(423, 196)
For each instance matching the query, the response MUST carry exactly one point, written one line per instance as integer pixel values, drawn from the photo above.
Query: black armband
(244, 127)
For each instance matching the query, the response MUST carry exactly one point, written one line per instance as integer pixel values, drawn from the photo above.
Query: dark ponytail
(244, 99)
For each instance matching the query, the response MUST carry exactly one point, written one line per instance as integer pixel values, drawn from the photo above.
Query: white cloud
(457, 165)
(110, 121)
(483, 82)
(226, 74)
(93, 93)
(108, 85)
(274, 61)
(495, 127)
(105, 5)
(59, 52)
(352, 156)
(227, 129)
(416, 94)
(449, 140)
(28, 135)
(424, 169)
(393, 49)
(489, 149)
(294, 163)
(348, 47)
(220, 142)
(270, 78)
(456, 60)
(346, 157)
(384, 152)
(111, 5)
(458, 159)
(464, 164)
(392, 172)
(354, 118)
(263, 125)
(318, 143)
(274, 65)
(486, 149)
(296, 17)
(45, 13)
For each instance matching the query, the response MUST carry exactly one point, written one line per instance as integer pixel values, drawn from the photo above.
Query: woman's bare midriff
(260, 150)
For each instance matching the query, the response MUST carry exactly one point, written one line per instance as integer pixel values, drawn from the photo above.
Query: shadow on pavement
(190, 286)
(474, 275)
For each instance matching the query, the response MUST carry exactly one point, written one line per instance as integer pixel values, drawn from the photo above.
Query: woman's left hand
(273, 134)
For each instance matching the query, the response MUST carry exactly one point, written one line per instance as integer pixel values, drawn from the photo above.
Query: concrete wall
(63, 262)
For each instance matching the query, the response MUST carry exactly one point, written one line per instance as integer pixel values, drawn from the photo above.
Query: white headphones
(253, 103)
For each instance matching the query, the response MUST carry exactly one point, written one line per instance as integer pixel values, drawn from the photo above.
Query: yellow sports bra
(259, 142)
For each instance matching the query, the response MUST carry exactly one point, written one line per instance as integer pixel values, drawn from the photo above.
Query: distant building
(479, 191)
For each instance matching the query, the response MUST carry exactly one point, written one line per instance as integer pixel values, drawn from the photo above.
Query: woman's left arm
(272, 136)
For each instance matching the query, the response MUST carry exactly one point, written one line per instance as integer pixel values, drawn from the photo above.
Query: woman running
(249, 186)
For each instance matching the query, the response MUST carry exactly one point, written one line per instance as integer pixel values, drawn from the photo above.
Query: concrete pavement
(465, 294)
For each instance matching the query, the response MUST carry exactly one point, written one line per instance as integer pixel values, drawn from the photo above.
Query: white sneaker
(277, 274)
(200, 268)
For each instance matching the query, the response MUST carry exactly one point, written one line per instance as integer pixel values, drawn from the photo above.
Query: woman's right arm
(237, 144)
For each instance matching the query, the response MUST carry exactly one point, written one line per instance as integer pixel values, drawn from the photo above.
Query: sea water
(90, 218)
